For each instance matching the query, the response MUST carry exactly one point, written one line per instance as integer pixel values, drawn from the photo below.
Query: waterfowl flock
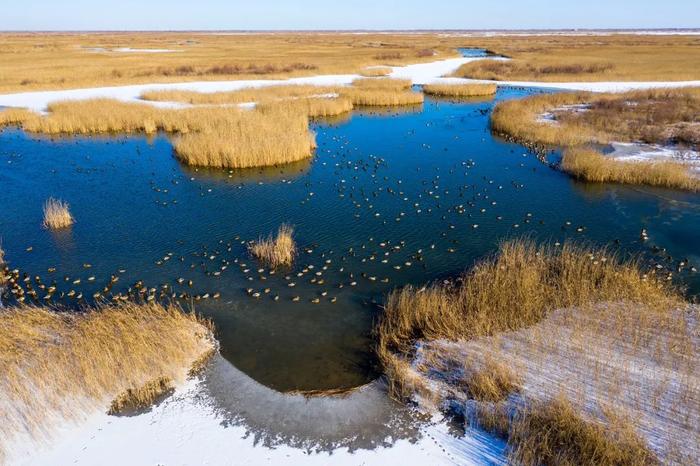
(419, 199)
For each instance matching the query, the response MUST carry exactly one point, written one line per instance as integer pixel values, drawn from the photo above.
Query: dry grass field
(562, 350)
(33, 61)
(83, 360)
(588, 58)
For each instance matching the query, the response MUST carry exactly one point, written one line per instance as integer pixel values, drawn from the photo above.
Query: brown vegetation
(512, 70)
(276, 251)
(560, 349)
(554, 432)
(57, 215)
(222, 137)
(385, 84)
(590, 165)
(659, 116)
(48, 61)
(68, 364)
(375, 71)
(134, 399)
(460, 90)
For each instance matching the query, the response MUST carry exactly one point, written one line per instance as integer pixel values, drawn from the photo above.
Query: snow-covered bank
(422, 73)
(204, 422)
(640, 152)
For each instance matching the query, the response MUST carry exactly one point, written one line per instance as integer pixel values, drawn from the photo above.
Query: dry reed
(221, 137)
(381, 97)
(134, 399)
(276, 251)
(452, 341)
(387, 84)
(460, 90)
(65, 365)
(57, 215)
(376, 72)
(554, 432)
(590, 165)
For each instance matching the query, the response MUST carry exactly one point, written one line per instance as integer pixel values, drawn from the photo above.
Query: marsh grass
(375, 72)
(654, 116)
(515, 288)
(555, 432)
(387, 84)
(562, 350)
(134, 399)
(65, 365)
(371, 97)
(518, 69)
(220, 137)
(460, 90)
(590, 165)
(266, 93)
(277, 250)
(57, 215)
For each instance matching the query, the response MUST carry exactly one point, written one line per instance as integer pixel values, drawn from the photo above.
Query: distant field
(34, 61)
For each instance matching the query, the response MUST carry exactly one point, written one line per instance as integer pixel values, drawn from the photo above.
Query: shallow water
(382, 186)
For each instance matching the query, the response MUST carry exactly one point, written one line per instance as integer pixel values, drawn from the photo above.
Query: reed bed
(65, 365)
(385, 84)
(460, 90)
(590, 165)
(375, 72)
(509, 344)
(276, 251)
(134, 399)
(221, 137)
(517, 69)
(381, 97)
(57, 215)
(312, 107)
(265, 93)
(651, 116)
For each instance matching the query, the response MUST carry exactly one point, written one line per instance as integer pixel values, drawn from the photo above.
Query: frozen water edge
(226, 418)
(640, 152)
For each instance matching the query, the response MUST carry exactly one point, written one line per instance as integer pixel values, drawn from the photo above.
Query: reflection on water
(391, 197)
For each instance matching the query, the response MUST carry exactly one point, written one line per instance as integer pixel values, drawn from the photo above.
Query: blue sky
(349, 14)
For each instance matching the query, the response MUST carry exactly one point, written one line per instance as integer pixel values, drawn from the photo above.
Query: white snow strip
(640, 152)
(189, 428)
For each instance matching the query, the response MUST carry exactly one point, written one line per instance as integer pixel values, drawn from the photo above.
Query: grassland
(562, 58)
(558, 349)
(460, 90)
(48, 61)
(64, 365)
(276, 251)
(32, 61)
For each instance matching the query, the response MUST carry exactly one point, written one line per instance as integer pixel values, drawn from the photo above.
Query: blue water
(382, 186)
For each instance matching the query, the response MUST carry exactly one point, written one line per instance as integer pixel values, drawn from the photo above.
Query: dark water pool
(389, 199)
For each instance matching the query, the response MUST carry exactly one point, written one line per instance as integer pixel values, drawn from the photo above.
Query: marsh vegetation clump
(460, 90)
(277, 250)
(375, 72)
(133, 399)
(577, 120)
(590, 165)
(497, 70)
(220, 137)
(66, 364)
(57, 215)
(509, 346)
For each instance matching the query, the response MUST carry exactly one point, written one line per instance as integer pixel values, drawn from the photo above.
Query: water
(382, 186)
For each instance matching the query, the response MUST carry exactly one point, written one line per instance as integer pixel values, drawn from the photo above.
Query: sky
(347, 14)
